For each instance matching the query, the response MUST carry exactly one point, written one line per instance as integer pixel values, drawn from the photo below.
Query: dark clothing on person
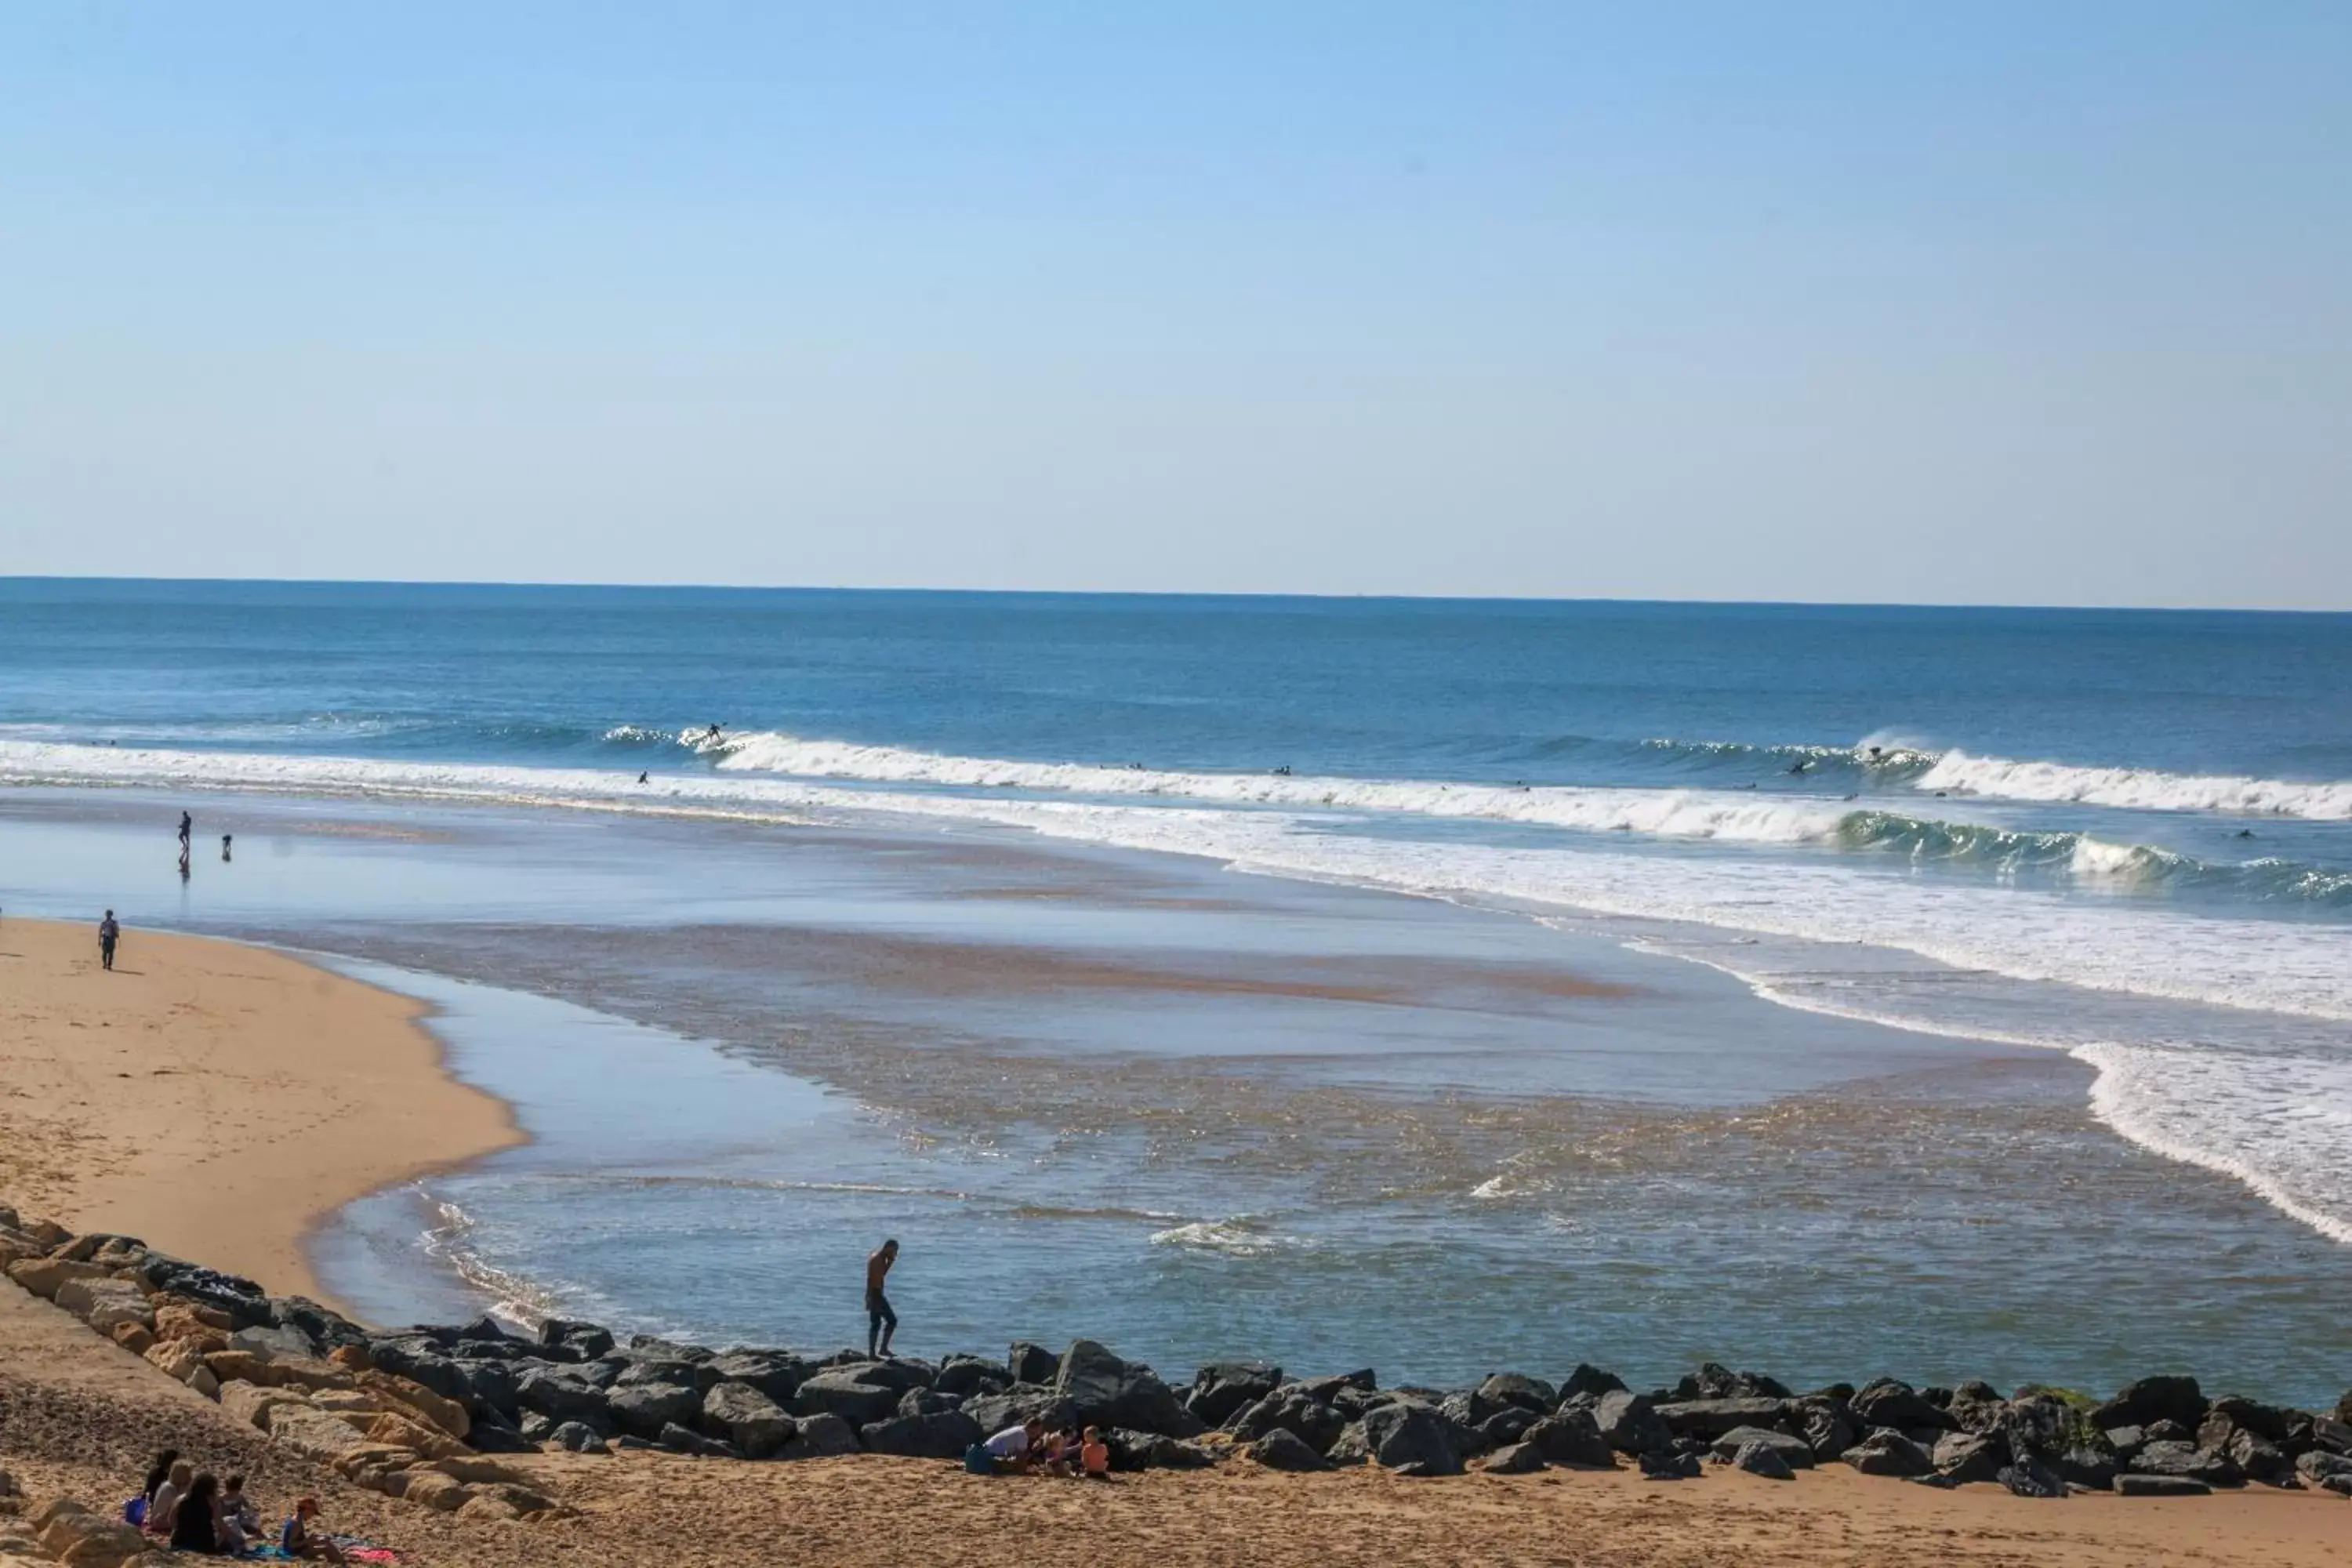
(192, 1527)
(108, 933)
(187, 825)
(878, 1318)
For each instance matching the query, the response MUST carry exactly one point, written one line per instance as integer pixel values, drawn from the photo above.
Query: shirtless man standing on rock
(879, 1318)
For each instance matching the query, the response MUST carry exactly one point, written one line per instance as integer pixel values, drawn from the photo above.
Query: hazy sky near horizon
(1978, 303)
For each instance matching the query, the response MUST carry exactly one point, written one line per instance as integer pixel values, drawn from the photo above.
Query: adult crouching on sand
(881, 1322)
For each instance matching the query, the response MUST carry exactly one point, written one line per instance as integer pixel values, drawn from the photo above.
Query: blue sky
(1981, 303)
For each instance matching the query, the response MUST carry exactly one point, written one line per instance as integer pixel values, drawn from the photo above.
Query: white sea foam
(1239, 1237)
(2137, 789)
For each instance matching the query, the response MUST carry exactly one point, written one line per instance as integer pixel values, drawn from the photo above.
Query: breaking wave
(2136, 789)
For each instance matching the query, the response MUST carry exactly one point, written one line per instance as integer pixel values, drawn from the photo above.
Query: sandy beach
(205, 1159)
(214, 1099)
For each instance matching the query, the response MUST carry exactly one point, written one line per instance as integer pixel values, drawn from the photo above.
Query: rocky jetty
(423, 1412)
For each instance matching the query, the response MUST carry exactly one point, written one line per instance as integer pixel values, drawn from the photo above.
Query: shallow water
(1196, 1114)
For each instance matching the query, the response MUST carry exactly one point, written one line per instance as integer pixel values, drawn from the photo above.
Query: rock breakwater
(424, 1412)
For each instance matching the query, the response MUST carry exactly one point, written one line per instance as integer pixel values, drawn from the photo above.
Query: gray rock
(1280, 1450)
(942, 1435)
(1761, 1458)
(1670, 1467)
(668, 1350)
(2126, 1440)
(1409, 1437)
(644, 1408)
(1133, 1450)
(1506, 1390)
(775, 1373)
(2174, 1458)
(2133, 1485)
(2153, 1399)
(1106, 1391)
(1223, 1390)
(898, 1374)
(2271, 1423)
(2093, 1469)
(580, 1341)
(1629, 1423)
(677, 1439)
(2340, 1485)
(995, 1412)
(966, 1375)
(1969, 1456)
(1886, 1452)
(2331, 1434)
(927, 1402)
(1571, 1438)
(322, 1326)
(272, 1343)
(1888, 1403)
(2318, 1465)
(1715, 1381)
(1714, 1418)
(2027, 1477)
(560, 1396)
(740, 1414)
(1032, 1363)
(577, 1438)
(820, 1437)
(1592, 1380)
(1508, 1427)
(1793, 1451)
(1826, 1424)
(1514, 1459)
(842, 1391)
(1290, 1409)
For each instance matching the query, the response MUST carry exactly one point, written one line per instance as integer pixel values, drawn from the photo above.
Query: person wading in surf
(880, 1321)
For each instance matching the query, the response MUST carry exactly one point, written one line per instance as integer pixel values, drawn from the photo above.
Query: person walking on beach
(187, 827)
(880, 1321)
(108, 933)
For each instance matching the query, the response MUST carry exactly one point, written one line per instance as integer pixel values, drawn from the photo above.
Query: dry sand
(213, 1099)
(211, 1157)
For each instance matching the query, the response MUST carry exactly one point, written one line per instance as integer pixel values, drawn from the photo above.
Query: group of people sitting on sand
(1034, 1448)
(189, 1510)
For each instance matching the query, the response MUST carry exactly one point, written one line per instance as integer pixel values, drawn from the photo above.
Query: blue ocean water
(2124, 838)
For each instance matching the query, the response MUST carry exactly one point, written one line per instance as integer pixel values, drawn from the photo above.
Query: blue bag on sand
(135, 1512)
(976, 1461)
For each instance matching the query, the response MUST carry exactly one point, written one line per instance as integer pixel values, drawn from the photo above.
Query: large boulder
(740, 1414)
(1223, 1390)
(966, 1375)
(822, 1435)
(2154, 1399)
(1570, 1436)
(1588, 1379)
(1715, 1381)
(1888, 1403)
(563, 1396)
(574, 1340)
(2135, 1485)
(1826, 1424)
(1967, 1457)
(1407, 1437)
(943, 1436)
(1886, 1452)
(2172, 1458)
(1514, 1459)
(843, 1393)
(313, 1434)
(1023, 1402)
(1508, 1390)
(45, 1277)
(579, 1438)
(1105, 1391)
(1711, 1418)
(1794, 1452)
(1293, 1410)
(1032, 1363)
(1280, 1450)
(1630, 1423)
(1758, 1457)
(644, 1408)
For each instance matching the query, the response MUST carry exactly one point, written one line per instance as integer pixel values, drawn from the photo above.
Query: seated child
(296, 1540)
(1093, 1457)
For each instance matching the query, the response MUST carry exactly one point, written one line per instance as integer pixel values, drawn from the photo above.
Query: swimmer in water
(1799, 765)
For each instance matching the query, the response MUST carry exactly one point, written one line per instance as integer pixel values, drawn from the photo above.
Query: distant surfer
(1800, 764)
(2245, 833)
(1282, 771)
(641, 778)
(710, 737)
